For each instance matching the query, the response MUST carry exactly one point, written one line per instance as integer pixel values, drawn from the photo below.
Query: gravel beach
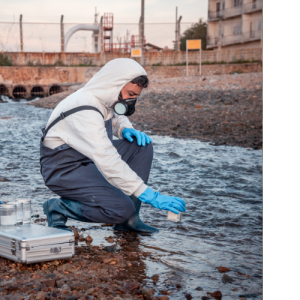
(113, 272)
(221, 109)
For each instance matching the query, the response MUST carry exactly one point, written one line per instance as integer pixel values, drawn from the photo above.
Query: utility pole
(21, 34)
(95, 36)
(142, 32)
(178, 36)
(143, 22)
(101, 35)
(62, 36)
(177, 32)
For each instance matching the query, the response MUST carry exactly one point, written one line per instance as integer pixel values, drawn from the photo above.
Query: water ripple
(222, 187)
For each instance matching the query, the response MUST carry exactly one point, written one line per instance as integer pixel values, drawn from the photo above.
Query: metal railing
(233, 11)
(253, 6)
(235, 39)
(252, 35)
(212, 41)
(232, 39)
(215, 14)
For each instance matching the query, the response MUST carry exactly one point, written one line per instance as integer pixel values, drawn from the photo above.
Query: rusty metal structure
(136, 41)
(108, 25)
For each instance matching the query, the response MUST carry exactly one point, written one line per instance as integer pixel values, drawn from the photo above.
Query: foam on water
(222, 187)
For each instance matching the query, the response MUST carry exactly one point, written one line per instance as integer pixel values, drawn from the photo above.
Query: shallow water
(222, 187)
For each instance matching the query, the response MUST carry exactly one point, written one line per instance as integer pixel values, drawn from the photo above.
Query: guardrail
(235, 11)
(232, 39)
(212, 41)
(252, 35)
(215, 14)
(253, 6)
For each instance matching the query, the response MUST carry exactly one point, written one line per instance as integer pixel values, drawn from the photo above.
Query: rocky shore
(112, 272)
(221, 109)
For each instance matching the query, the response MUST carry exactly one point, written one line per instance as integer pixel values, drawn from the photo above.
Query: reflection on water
(222, 187)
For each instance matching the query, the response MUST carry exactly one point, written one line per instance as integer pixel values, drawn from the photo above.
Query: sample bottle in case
(26, 210)
(8, 215)
(19, 206)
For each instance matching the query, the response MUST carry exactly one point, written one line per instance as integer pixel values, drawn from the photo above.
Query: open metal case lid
(33, 235)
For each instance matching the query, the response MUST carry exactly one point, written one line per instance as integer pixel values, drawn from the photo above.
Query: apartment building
(234, 24)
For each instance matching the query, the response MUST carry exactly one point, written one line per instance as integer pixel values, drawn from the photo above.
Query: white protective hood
(108, 82)
(85, 130)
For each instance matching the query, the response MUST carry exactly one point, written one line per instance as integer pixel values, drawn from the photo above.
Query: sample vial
(174, 217)
(19, 206)
(26, 210)
(8, 215)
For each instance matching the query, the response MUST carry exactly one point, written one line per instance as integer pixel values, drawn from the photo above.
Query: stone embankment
(31, 82)
(221, 109)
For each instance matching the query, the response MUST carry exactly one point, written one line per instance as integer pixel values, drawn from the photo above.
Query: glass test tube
(19, 206)
(26, 210)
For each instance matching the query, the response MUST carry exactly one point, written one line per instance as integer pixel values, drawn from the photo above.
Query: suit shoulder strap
(70, 112)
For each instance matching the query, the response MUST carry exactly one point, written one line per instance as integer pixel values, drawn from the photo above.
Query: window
(237, 29)
(223, 5)
(259, 25)
(237, 3)
(218, 9)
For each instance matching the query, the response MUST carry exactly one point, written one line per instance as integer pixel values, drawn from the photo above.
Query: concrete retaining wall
(50, 80)
(150, 58)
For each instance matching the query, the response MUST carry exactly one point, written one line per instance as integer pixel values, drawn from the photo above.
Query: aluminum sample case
(35, 243)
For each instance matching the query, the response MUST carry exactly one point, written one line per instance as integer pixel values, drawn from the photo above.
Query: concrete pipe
(37, 91)
(79, 27)
(20, 92)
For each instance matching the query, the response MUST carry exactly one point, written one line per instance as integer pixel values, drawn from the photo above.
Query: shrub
(4, 60)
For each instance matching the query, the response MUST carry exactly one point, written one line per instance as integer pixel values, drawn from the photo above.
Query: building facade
(234, 24)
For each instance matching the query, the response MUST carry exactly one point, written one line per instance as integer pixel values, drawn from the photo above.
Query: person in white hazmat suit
(97, 178)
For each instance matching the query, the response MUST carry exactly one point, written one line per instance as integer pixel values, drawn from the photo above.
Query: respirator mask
(124, 107)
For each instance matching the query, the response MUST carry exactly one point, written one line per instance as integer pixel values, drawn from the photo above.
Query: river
(222, 187)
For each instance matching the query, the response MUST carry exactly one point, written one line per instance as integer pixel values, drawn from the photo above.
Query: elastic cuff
(140, 190)
(120, 132)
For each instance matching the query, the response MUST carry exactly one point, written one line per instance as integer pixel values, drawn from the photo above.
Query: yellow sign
(193, 44)
(136, 52)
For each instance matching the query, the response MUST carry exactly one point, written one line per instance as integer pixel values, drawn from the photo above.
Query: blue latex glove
(141, 137)
(160, 201)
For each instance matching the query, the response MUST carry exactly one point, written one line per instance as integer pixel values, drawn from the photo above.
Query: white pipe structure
(76, 28)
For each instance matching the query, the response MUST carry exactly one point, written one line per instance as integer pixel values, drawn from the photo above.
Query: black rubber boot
(58, 210)
(134, 223)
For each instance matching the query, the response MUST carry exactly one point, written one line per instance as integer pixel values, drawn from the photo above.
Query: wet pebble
(148, 291)
(226, 278)
(223, 269)
(129, 286)
(110, 249)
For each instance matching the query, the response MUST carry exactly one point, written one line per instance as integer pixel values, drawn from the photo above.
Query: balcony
(252, 35)
(252, 7)
(211, 42)
(215, 15)
(232, 39)
(226, 13)
(233, 11)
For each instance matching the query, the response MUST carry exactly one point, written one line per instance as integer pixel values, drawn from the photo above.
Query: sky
(46, 37)
(79, 11)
